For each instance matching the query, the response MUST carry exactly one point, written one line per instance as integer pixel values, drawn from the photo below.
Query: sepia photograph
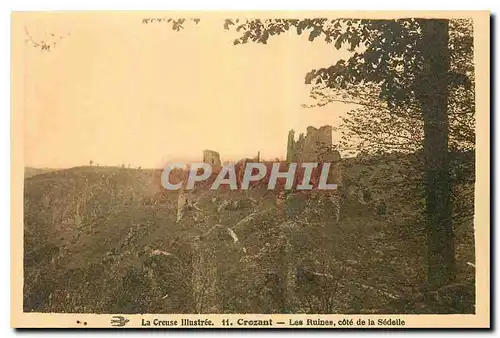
(250, 169)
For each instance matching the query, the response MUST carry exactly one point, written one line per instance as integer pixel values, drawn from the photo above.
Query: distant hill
(30, 171)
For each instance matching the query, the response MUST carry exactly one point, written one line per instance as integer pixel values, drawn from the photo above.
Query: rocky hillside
(106, 240)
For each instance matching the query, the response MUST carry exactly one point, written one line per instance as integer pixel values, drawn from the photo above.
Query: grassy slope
(90, 234)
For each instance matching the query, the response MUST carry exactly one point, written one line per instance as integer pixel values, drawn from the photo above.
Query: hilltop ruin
(315, 146)
(212, 157)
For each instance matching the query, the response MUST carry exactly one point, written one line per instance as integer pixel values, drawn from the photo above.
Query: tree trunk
(432, 91)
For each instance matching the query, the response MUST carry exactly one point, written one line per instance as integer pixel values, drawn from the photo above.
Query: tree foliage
(176, 24)
(46, 44)
(413, 81)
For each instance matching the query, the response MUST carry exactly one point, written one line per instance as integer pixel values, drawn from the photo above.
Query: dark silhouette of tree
(403, 67)
(46, 44)
(400, 130)
(431, 89)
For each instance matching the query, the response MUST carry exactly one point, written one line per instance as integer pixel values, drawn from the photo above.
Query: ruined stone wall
(315, 143)
(315, 146)
(310, 147)
(212, 157)
(290, 149)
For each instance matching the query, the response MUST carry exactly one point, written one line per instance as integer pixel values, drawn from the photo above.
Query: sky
(117, 91)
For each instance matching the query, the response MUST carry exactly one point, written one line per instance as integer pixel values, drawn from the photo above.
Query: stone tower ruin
(312, 147)
(315, 146)
(212, 157)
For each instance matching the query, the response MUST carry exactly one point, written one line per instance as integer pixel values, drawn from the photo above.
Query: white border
(7, 6)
